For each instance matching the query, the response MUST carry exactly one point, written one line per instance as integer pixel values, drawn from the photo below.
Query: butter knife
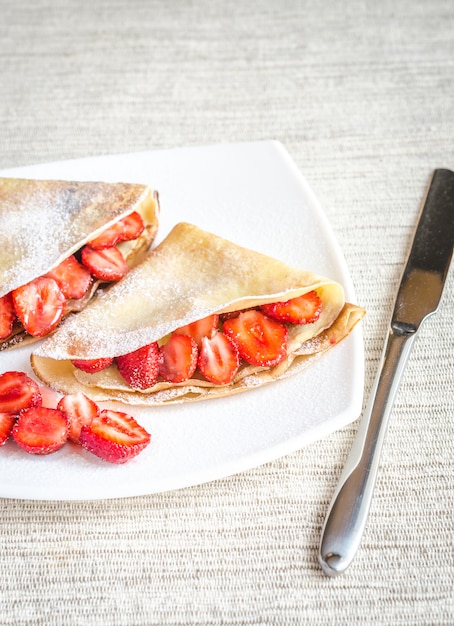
(418, 297)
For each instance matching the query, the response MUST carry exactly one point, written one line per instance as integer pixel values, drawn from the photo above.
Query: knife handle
(349, 508)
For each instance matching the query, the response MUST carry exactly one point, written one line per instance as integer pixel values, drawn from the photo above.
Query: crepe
(43, 222)
(190, 275)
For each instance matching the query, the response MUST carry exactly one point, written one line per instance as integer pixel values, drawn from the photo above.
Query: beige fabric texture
(361, 95)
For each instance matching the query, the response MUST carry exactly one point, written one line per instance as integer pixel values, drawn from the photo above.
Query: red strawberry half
(178, 358)
(7, 315)
(73, 278)
(40, 430)
(260, 340)
(130, 227)
(200, 328)
(39, 305)
(107, 264)
(305, 309)
(18, 391)
(7, 421)
(92, 365)
(79, 411)
(114, 436)
(140, 368)
(218, 359)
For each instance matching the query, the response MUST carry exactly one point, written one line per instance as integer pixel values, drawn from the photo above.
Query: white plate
(253, 194)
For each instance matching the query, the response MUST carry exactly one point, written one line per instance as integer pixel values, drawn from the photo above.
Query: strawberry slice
(260, 340)
(18, 391)
(107, 264)
(219, 359)
(40, 430)
(114, 436)
(79, 411)
(7, 315)
(140, 368)
(7, 421)
(92, 365)
(200, 328)
(178, 359)
(130, 227)
(304, 309)
(72, 277)
(39, 305)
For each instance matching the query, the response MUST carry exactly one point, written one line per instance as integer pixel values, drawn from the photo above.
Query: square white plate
(253, 194)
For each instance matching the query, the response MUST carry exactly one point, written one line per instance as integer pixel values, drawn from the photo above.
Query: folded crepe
(190, 275)
(43, 222)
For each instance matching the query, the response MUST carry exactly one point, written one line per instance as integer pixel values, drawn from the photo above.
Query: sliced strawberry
(18, 391)
(200, 328)
(114, 436)
(130, 227)
(73, 278)
(7, 315)
(40, 430)
(7, 421)
(133, 226)
(305, 309)
(219, 359)
(39, 305)
(260, 340)
(140, 368)
(178, 358)
(79, 411)
(92, 365)
(106, 264)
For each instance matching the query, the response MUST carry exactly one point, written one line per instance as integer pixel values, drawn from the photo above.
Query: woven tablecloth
(361, 94)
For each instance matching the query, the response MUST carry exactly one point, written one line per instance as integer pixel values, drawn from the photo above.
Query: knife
(418, 297)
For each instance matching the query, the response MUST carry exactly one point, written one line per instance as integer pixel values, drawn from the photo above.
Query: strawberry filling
(178, 358)
(39, 306)
(130, 227)
(215, 347)
(7, 315)
(48, 305)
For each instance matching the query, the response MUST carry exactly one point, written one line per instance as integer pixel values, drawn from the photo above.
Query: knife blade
(417, 298)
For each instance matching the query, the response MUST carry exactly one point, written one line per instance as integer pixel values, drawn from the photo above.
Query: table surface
(361, 96)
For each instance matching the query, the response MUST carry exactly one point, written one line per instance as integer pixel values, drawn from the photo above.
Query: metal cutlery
(417, 298)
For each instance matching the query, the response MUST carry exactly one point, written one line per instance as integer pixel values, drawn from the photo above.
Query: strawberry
(7, 315)
(39, 305)
(140, 368)
(107, 264)
(130, 227)
(200, 328)
(7, 421)
(260, 340)
(114, 436)
(73, 278)
(304, 309)
(92, 365)
(218, 359)
(79, 411)
(39, 430)
(178, 358)
(18, 391)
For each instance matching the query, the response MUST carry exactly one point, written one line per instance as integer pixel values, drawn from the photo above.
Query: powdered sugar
(43, 222)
